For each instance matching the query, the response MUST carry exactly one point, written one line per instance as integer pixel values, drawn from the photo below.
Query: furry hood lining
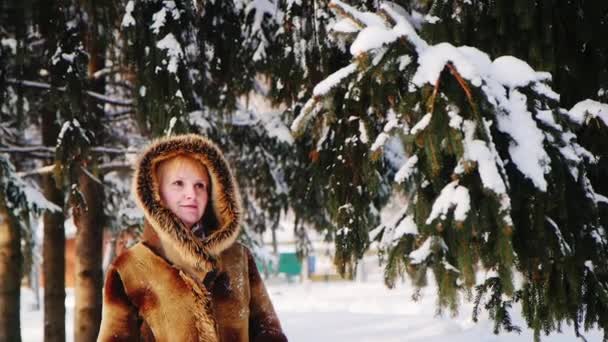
(224, 198)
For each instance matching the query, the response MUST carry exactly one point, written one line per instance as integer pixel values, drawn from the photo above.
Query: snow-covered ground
(354, 312)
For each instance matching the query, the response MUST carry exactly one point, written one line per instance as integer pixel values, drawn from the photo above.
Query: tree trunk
(89, 276)
(10, 278)
(53, 248)
(53, 244)
(90, 220)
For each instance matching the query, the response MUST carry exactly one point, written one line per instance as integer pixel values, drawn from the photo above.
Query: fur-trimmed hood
(224, 198)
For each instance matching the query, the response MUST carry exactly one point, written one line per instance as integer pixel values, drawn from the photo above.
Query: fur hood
(224, 198)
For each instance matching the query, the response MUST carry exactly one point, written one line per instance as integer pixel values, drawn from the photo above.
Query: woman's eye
(200, 185)
(178, 183)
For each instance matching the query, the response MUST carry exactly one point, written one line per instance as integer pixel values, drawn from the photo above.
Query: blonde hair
(176, 163)
(209, 219)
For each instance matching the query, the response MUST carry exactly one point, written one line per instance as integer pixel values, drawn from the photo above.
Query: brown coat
(174, 286)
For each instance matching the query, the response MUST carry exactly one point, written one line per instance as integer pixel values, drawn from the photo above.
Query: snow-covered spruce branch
(103, 168)
(487, 156)
(100, 97)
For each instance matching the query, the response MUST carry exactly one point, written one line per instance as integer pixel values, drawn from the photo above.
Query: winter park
(303, 170)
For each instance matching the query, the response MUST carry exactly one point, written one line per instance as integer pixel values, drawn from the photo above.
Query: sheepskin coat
(175, 286)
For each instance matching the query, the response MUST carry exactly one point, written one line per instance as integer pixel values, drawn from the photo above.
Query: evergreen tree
(76, 165)
(494, 175)
(17, 200)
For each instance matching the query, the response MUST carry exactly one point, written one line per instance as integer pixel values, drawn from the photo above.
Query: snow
(174, 51)
(11, 43)
(407, 169)
(478, 151)
(404, 61)
(585, 110)
(334, 80)
(375, 32)
(379, 142)
(455, 118)
(544, 89)
(421, 253)
(363, 136)
(159, 18)
(433, 60)
(262, 7)
(600, 198)
(420, 125)
(311, 109)
(372, 37)
(354, 311)
(172, 123)
(365, 18)
(526, 149)
(451, 196)
(37, 200)
(432, 19)
(546, 117)
(263, 10)
(345, 25)
(398, 225)
(513, 72)
(17, 188)
(127, 19)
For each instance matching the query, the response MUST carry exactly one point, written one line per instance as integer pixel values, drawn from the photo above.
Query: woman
(187, 280)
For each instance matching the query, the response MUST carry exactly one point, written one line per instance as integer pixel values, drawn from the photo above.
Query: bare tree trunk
(89, 276)
(10, 278)
(53, 244)
(90, 220)
(53, 248)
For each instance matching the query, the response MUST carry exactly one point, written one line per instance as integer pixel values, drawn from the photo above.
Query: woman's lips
(191, 207)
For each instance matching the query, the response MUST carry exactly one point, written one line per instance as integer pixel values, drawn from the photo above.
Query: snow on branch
(500, 81)
(127, 19)
(95, 95)
(452, 196)
(420, 254)
(173, 49)
(362, 19)
(588, 109)
(401, 224)
(19, 195)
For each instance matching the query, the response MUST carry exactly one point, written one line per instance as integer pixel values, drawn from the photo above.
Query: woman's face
(184, 184)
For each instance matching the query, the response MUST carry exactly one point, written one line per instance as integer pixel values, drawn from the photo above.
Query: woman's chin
(188, 222)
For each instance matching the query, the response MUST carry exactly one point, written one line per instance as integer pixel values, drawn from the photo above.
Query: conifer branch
(342, 10)
(103, 168)
(97, 96)
(51, 150)
(434, 96)
(462, 83)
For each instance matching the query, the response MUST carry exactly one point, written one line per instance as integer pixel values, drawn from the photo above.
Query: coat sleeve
(264, 323)
(119, 321)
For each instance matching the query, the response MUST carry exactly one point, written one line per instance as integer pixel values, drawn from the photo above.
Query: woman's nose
(189, 192)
